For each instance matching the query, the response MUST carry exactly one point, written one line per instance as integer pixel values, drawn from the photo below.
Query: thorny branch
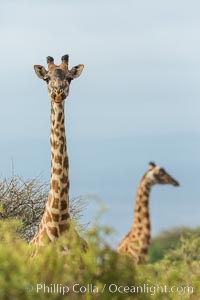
(25, 199)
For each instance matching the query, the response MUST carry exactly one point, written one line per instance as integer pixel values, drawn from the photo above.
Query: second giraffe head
(58, 77)
(157, 175)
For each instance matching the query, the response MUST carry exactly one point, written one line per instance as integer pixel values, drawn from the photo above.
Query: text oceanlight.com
(111, 288)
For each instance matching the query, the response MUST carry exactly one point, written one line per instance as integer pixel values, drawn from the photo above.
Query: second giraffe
(136, 242)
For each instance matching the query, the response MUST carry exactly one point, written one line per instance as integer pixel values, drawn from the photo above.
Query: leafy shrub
(52, 273)
(24, 278)
(83, 276)
(179, 268)
(167, 240)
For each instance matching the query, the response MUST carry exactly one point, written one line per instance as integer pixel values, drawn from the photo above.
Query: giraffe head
(157, 175)
(58, 77)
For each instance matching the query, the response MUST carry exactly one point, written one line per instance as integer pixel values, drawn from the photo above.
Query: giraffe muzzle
(58, 95)
(173, 181)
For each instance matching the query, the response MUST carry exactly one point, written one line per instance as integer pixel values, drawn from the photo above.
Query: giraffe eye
(46, 79)
(162, 172)
(69, 80)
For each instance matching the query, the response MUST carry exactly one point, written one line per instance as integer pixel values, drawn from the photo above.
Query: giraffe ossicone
(136, 242)
(56, 218)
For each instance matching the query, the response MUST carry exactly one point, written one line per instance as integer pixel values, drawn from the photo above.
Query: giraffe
(56, 217)
(137, 241)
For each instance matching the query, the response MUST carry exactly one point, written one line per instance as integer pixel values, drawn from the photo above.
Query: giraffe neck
(137, 241)
(58, 202)
(142, 225)
(56, 216)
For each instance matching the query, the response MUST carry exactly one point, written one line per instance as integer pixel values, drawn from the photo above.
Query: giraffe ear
(76, 71)
(40, 71)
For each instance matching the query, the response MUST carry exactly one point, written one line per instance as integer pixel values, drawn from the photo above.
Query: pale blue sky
(137, 99)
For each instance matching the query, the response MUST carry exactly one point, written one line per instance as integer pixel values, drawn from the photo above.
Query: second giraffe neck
(59, 159)
(142, 223)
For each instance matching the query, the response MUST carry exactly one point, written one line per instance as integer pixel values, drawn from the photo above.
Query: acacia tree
(25, 199)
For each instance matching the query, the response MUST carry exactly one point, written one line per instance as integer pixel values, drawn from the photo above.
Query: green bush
(51, 274)
(84, 276)
(23, 277)
(179, 268)
(166, 241)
